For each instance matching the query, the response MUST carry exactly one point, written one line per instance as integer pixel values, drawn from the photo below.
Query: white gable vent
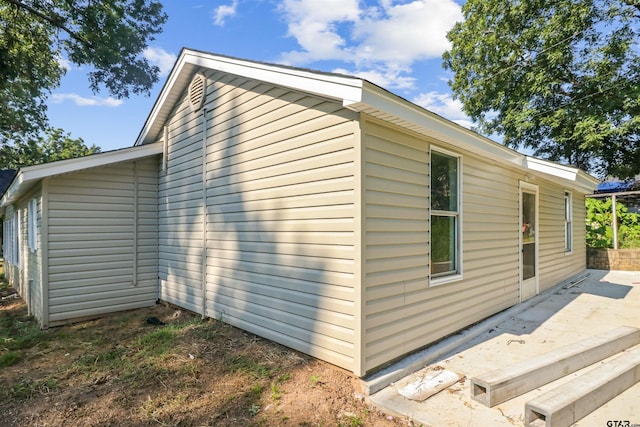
(197, 93)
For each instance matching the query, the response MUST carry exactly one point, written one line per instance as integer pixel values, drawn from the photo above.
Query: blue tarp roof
(614, 186)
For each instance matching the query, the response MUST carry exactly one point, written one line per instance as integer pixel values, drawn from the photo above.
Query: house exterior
(316, 210)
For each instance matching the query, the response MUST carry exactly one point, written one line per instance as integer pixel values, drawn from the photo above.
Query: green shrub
(599, 225)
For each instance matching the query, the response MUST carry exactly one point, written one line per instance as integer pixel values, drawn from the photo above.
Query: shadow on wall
(271, 265)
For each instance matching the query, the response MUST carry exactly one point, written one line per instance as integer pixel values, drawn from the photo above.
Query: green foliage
(599, 225)
(55, 145)
(9, 358)
(244, 364)
(109, 36)
(559, 77)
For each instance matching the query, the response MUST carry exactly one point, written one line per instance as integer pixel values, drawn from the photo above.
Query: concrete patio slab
(572, 311)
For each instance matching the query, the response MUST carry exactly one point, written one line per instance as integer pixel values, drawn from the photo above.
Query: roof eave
(28, 176)
(571, 176)
(328, 85)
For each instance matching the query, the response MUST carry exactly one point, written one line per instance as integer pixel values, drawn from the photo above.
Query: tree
(54, 145)
(36, 35)
(561, 77)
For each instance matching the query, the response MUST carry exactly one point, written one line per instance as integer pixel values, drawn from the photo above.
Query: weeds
(246, 365)
(10, 358)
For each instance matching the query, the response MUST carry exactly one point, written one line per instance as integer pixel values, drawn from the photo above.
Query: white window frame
(568, 222)
(32, 224)
(457, 275)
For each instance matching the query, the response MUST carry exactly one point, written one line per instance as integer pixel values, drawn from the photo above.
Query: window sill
(437, 281)
(567, 253)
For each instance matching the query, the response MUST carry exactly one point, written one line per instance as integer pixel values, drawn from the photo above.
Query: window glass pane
(444, 182)
(528, 260)
(443, 244)
(528, 217)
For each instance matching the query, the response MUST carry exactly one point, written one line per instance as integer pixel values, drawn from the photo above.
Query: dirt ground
(128, 370)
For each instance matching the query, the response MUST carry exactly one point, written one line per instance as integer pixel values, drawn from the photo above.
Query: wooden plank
(570, 402)
(503, 384)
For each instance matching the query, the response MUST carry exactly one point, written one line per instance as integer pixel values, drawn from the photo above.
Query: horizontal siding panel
(384, 251)
(339, 311)
(397, 187)
(56, 319)
(241, 174)
(400, 200)
(74, 301)
(300, 273)
(302, 213)
(325, 199)
(94, 258)
(313, 176)
(278, 332)
(301, 225)
(319, 289)
(304, 261)
(320, 250)
(311, 319)
(395, 238)
(311, 238)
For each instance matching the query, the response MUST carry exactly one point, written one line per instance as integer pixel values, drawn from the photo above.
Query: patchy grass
(119, 370)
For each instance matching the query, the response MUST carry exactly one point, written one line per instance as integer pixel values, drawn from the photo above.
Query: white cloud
(383, 77)
(160, 57)
(64, 63)
(221, 13)
(444, 105)
(81, 101)
(381, 41)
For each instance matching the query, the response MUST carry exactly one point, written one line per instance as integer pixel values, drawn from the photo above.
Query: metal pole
(615, 222)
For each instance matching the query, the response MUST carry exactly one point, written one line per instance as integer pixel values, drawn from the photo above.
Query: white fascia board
(550, 168)
(330, 86)
(450, 132)
(575, 176)
(29, 175)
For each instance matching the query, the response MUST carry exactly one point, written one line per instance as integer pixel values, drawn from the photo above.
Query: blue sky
(396, 44)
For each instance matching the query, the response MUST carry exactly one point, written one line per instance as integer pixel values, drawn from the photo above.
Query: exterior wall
(404, 310)
(555, 263)
(26, 277)
(276, 241)
(11, 270)
(101, 228)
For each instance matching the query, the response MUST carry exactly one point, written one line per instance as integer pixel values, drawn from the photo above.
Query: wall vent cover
(197, 89)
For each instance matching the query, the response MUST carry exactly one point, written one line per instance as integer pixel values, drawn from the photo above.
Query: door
(528, 241)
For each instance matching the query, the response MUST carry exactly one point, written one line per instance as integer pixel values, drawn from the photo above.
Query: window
(32, 224)
(568, 219)
(445, 215)
(11, 236)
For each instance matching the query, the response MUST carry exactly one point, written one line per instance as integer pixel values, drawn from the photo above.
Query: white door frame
(526, 187)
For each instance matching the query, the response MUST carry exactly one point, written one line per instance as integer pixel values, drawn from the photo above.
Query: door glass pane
(443, 244)
(528, 235)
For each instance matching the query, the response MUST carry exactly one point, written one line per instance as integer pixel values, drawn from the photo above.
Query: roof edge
(329, 85)
(28, 175)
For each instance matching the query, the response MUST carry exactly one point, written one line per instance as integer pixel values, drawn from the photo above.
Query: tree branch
(56, 22)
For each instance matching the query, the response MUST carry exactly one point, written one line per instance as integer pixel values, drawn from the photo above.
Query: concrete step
(503, 384)
(575, 399)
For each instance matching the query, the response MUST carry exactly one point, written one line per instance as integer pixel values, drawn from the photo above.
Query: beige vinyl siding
(403, 312)
(555, 264)
(33, 259)
(25, 277)
(11, 271)
(280, 257)
(102, 226)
